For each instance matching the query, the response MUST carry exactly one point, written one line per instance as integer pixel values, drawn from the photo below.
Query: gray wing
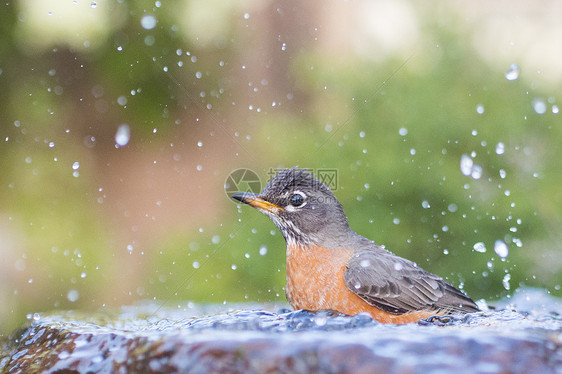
(398, 286)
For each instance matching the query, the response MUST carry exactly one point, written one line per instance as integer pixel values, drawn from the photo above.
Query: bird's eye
(297, 199)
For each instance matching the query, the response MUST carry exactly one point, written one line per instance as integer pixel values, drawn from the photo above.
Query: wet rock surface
(258, 341)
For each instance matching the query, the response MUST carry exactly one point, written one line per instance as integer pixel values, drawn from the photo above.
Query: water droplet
(123, 135)
(215, 239)
(122, 100)
(148, 22)
(500, 148)
(362, 134)
(452, 208)
(503, 174)
(479, 247)
(476, 172)
(83, 275)
(425, 204)
(555, 109)
(198, 75)
(321, 318)
(365, 263)
(149, 40)
(93, 4)
(195, 265)
(233, 267)
(513, 72)
(246, 15)
(480, 109)
(445, 251)
(73, 295)
(263, 250)
(396, 221)
(466, 165)
(398, 266)
(539, 106)
(445, 228)
(412, 151)
(501, 248)
(200, 144)
(505, 281)
(403, 131)
(76, 165)
(357, 285)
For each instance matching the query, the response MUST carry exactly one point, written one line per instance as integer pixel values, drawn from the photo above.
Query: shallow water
(524, 336)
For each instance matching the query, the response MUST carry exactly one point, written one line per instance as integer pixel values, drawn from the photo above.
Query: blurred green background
(121, 121)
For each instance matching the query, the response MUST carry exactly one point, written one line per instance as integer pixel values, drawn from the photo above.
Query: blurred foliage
(59, 105)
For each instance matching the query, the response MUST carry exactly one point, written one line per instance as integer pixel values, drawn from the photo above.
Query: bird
(330, 267)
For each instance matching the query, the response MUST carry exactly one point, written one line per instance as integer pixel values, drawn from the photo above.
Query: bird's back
(398, 285)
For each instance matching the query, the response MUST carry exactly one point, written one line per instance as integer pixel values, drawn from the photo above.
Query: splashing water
(501, 248)
(194, 331)
(466, 165)
(148, 22)
(506, 280)
(476, 172)
(513, 72)
(479, 247)
(73, 295)
(500, 148)
(539, 106)
(469, 168)
(123, 135)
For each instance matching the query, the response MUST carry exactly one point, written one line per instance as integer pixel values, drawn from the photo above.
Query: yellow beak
(257, 201)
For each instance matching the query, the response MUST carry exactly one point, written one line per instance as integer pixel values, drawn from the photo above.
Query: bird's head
(303, 208)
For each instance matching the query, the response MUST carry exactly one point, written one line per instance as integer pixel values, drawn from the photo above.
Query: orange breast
(315, 282)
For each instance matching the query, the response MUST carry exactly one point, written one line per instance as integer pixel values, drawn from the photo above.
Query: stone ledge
(258, 341)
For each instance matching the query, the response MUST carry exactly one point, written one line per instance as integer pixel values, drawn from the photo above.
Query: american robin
(331, 267)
